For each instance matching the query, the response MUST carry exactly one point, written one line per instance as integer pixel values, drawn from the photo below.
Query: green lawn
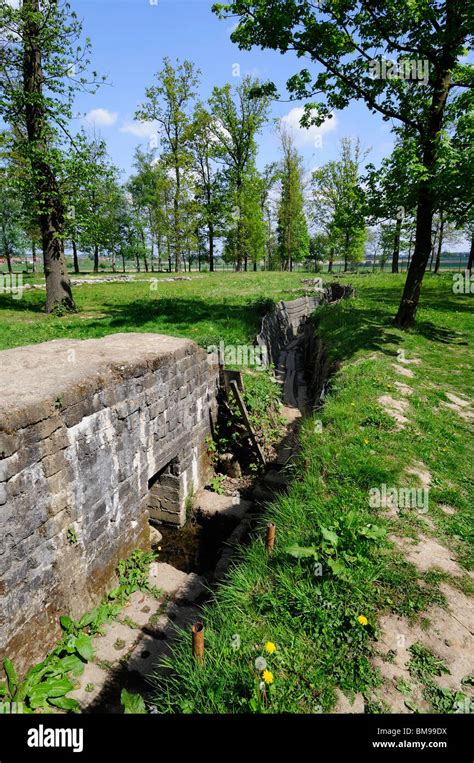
(207, 309)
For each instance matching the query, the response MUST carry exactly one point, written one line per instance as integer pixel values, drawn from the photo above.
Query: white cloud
(302, 135)
(101, 118)
(141, 129)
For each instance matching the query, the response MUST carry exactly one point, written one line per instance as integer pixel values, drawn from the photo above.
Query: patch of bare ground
(404, 389)
(427, 554)
(419, 470)
(403, 371)
(462, 407)
(395, 408)
(449, 637)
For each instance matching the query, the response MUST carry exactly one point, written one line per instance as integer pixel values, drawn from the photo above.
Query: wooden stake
(271, 531)
(198, 641)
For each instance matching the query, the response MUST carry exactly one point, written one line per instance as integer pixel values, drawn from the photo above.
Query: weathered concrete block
(84, 427)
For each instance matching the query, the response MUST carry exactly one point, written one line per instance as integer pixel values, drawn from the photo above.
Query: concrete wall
(84, 427)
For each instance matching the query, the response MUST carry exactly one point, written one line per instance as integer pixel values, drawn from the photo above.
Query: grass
(208, 309)
(313, 618)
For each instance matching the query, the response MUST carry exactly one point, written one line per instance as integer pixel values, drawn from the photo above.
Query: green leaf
(11, 676)
(66, 623)
(65, 703)
(329, 535)
(88, 618)
(373, 531)
(3, 690)
(133, 704)
(337, 567)
(84, 647)
(71, 664)
(300, 552)
(54, 687)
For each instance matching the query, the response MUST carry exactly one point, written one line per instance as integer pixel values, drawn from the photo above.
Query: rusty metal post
(198, 641)
(271, 531)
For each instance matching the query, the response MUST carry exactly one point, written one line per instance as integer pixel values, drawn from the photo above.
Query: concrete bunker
(95, 436)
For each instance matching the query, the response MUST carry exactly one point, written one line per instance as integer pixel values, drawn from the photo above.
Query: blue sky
(131, 37)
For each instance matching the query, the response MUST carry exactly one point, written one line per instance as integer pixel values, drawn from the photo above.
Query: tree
(237, 118)
(351, 41)
(89, 186)
(12, 237)
(293, 236)
(42, 64)
(391, 192)
(168, 103)
(339, 204)
(319, 249)
(210, 186)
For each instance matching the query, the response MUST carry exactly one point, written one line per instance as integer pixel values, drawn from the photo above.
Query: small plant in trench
(216, 484)
(47, 684)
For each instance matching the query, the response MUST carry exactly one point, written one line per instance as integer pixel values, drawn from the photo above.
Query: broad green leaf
(12, 677)
(300, 552)
(133, 704)
(71, 664)
(55, 687)
(65, 703)
(88, 618)
(66, 623)
(3, 690)
(84, 647)
(373, 531)
(329, 535)
(337, 567)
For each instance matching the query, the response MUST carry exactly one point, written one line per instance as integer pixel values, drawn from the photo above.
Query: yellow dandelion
(267, 676)
(362, 620)
(366, 441)
(270, 647)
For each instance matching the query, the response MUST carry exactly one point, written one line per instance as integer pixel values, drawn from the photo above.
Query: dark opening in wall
(166, 494)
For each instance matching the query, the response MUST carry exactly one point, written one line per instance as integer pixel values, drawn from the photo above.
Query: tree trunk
(96, 258)
(331, 261)
(211, 247)
(47, 192)
(75, 257)
(425, 203)
(396, 246)
(123, 261)
(145, 258)
(33, 255)
(6, 250)
(433, 246)
(176, 204)
(440, 244)
(8, 257)
(471, 254)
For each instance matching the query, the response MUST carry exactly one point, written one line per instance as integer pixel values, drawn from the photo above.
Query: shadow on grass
(179, 314)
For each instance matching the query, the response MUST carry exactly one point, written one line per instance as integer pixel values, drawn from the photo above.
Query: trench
(205, 546)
